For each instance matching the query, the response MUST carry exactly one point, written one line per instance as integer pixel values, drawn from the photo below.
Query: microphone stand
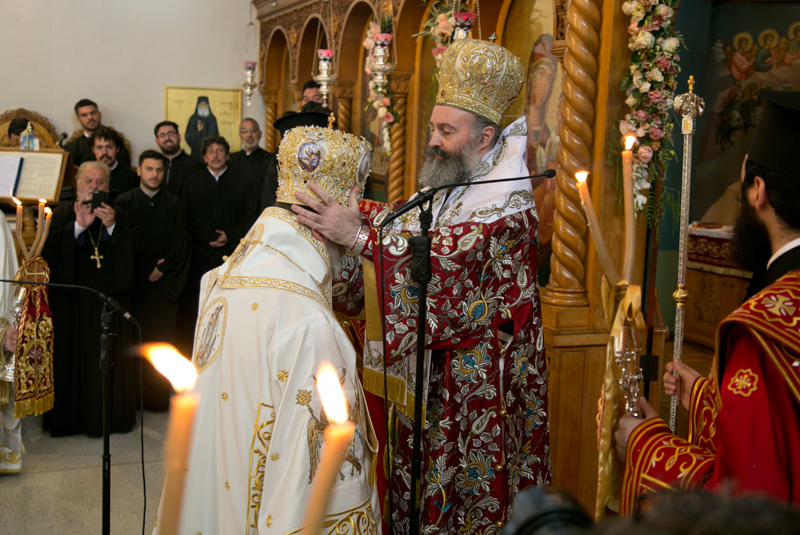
(421, 273)
(107, 363)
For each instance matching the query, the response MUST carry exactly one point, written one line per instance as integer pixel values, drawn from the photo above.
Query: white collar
(116, 163)
(216, 177)
(149, 195)
(786, 248)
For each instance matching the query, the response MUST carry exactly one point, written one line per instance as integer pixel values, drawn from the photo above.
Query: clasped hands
(627, 424)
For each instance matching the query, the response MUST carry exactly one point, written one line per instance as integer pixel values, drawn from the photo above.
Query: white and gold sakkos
(333, 160)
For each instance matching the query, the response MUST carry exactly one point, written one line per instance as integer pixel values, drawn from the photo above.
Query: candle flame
(629, 141)
(16, 201)
(331, 393)
(47, 210)
(172, 365)
(581, 176)
(42, 201)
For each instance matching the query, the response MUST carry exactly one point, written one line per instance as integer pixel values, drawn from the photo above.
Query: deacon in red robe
(744, 419)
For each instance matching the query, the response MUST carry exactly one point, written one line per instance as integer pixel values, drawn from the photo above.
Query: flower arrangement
(650, 85)
(380, 98)
(440, 27)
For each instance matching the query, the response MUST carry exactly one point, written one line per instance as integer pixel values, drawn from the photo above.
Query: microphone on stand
(109, 301)
(427, 195)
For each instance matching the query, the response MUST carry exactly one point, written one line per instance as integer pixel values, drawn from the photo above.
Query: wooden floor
(697, 357)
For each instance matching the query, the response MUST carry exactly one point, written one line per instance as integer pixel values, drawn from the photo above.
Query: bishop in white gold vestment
(264, 327)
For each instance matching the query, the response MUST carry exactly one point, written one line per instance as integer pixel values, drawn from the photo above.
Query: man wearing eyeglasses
(253, 161)
(180, 165)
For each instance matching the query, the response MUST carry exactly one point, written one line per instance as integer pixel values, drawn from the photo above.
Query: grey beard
(451, 169)
(203, 112)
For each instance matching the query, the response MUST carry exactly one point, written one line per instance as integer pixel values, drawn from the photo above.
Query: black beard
(171, 151)
(451, 169)
(750, 246)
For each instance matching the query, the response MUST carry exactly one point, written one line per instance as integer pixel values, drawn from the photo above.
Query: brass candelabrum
(249, 79)
(325, 76)
(381, 68)
(689, 106)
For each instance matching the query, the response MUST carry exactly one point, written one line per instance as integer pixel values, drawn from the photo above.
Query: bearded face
(442, 168)
(203, 110)
(750, 246)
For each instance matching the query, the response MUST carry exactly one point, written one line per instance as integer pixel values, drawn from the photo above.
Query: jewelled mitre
(479, 77)
(331, 159)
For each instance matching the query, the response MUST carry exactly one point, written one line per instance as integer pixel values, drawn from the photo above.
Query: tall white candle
(629, 251)
(594, 229)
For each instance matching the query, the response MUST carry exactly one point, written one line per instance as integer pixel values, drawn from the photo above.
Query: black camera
(547, 511)
(99, 197)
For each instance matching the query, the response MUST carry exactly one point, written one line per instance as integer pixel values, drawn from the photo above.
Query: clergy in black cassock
(106, 144)
(90, 118)
(254, 161)
(221, 206)
(180, 166)
(94, 249)
(159, 272)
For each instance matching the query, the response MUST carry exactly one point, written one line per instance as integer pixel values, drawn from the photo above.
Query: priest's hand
(106, 214)
(687, 378)
(332, 220)
(10, 340)
(628, 423)
(221, 240)
(155, 275)
(83, 214)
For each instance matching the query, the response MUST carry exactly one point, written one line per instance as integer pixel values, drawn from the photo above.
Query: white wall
(121, 54)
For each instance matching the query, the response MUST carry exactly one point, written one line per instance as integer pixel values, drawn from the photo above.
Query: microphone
(110, 301)
(427, 195)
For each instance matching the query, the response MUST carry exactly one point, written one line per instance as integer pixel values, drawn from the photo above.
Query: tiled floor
(697, 357)
(60, 487)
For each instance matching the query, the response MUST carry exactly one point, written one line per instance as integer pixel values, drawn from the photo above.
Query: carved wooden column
(344, 105)
(271, 115)
(397, 161)
(567, 285)
(297, 93)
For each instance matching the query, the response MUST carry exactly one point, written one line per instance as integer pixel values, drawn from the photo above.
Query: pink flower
(645, 154)
(369, 72)
(372, 58)
(375, 29)
(663, 63)
(656, 133)
(655, 95)
(388, 118)
(385, 101)
(633, 29)
(439, 50)
(640, 115)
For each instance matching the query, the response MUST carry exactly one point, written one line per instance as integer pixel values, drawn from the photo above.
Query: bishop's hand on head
(335, 222)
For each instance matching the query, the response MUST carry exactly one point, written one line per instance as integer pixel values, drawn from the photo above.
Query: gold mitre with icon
(479, 77)
(331, 159)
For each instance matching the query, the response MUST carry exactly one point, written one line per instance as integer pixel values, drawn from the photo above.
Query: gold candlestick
(690, 106)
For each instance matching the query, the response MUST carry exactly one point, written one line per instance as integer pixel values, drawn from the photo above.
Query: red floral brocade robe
(486, 434)
(744, 427)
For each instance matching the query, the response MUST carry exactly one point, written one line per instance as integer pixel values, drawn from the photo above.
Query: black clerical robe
(123, 179)
(230, 205)
(178, 170)
(161, 222)
(255, 165)
(77, 377)
(81, 150)
(788, 261)
(270, 187)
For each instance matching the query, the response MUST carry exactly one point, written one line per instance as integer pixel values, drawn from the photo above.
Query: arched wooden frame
(350, 67)
(273, 87)
(307, 48)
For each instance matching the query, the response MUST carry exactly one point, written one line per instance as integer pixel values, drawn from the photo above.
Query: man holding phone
(92, 243)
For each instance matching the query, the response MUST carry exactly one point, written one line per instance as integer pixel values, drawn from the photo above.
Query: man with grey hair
(252, 160)
(92, 247)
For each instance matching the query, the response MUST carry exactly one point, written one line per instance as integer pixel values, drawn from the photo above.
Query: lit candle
(337, 441)
(594, 228)
(39, 227)
(45, 232)
(627, 194)
(182, 374)
(18, 230)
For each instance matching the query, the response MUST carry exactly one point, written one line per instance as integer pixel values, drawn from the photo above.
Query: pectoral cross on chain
(97, 256)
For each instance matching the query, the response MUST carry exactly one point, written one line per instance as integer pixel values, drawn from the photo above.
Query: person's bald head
(92, 176)
(250, 134)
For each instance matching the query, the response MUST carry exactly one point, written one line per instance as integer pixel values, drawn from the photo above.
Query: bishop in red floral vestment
(485, 432)
(744, 420)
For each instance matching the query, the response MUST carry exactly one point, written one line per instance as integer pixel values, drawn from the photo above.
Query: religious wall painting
(210, 333)
(528, 33)
(756, 47)
(201, 112)
(363, 169)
